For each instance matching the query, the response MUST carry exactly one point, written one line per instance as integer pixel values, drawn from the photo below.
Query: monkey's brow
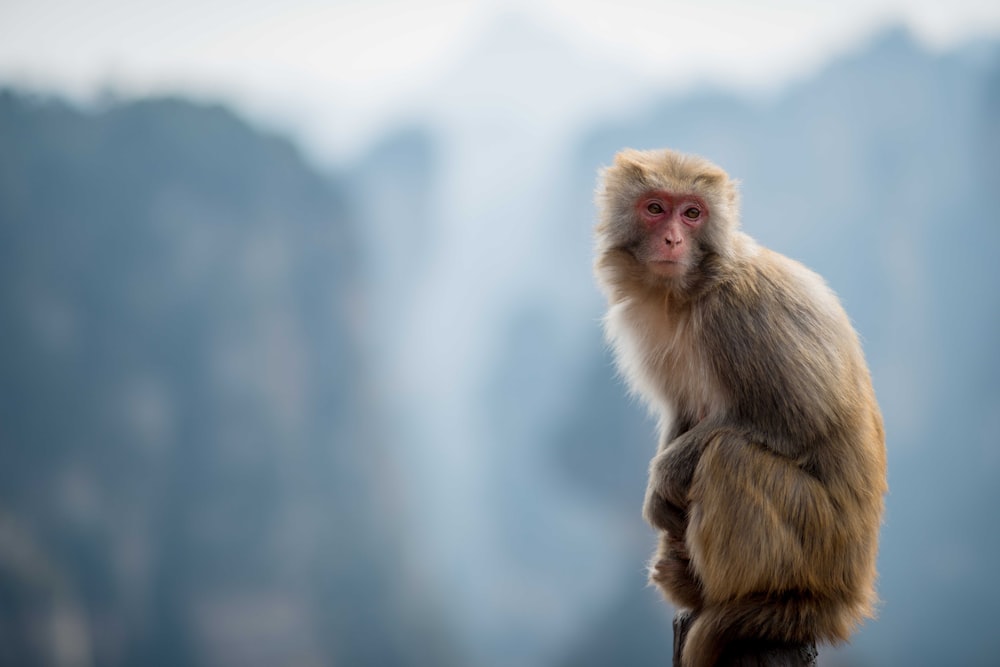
(673, 193)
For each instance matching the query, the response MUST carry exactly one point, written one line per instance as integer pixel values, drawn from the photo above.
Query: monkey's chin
(666, 269)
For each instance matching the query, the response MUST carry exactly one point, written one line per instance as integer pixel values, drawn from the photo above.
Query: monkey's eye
(654, 208)
(692, 213)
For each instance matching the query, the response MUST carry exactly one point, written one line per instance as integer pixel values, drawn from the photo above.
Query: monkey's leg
(765, 543)
(758, 523)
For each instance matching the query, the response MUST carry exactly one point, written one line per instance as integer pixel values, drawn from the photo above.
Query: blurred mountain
(882, 172)
(189, 471)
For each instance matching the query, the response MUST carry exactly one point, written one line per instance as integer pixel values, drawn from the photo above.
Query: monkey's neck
(679, 293)
(624, 278)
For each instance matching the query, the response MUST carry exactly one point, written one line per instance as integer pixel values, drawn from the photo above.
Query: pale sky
(357, 60)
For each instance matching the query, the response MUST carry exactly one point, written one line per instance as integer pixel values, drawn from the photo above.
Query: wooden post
(748, 653)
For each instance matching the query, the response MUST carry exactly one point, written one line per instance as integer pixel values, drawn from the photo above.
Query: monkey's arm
(670, 475)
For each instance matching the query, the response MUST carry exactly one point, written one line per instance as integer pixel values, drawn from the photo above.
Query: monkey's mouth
(665, 267)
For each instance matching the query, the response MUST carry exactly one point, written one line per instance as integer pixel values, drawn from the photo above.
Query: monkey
(767, 484)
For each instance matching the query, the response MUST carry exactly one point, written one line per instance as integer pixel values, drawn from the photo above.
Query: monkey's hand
(663, 514)
(670, 475)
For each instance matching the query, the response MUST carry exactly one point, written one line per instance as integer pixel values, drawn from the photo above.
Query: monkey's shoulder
(773, 322)
(764, 290)
(776, 335)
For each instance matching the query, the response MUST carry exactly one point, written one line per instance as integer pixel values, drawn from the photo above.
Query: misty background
(308, 370)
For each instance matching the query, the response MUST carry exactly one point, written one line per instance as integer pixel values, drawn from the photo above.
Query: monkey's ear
(628, 163)
(711, 179)
(628, 157)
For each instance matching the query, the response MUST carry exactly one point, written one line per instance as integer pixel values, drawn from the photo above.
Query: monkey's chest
(673, 367)
(663, 356)
(687, 380)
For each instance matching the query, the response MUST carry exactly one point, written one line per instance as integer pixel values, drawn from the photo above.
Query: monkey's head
(665, 218)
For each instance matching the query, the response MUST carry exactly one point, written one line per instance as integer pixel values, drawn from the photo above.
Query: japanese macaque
(769, 478)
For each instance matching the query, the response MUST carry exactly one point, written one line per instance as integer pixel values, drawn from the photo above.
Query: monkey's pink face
(671, 224)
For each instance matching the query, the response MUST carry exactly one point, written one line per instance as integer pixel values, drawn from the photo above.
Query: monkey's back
(802, 510)
(784, 350)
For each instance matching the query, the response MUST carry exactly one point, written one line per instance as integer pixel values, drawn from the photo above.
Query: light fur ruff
(769, 479)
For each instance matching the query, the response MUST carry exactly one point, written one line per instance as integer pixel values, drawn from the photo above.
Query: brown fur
(768, 482)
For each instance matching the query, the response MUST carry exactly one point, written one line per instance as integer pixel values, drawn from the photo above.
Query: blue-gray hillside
(882, 173)
(187, 453)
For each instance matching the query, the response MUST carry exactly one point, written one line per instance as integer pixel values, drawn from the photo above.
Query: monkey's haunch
(768, 481)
